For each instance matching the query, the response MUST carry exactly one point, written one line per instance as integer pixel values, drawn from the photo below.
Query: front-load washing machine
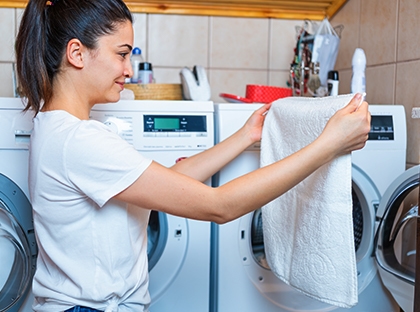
(396, 238)
(17, 238)
(178, 248)
(242, 279)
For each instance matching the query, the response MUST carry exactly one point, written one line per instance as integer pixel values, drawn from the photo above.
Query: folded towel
(308, 231)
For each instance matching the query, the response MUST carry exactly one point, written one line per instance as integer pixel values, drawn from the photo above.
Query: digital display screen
(174, 123)
(381, 128)
(166, 123)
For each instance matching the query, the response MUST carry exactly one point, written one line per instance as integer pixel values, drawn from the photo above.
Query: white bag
(325, 49)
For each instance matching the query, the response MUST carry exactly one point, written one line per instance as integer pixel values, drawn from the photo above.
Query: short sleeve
(100, 163)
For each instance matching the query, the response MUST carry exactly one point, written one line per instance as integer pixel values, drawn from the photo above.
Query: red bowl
(266, 94)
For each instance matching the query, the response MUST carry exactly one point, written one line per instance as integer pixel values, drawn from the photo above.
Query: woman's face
(109, 64)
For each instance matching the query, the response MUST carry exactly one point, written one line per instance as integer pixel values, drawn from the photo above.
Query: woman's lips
(121, 84)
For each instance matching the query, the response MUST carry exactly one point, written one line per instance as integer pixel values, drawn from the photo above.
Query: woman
(92, 193)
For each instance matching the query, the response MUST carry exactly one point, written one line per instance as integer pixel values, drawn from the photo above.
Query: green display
(166, 123)
(175, 123)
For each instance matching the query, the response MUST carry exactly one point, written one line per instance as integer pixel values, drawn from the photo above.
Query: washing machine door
(17, 245)
(166, 249)
(396, 239)
(366, 199)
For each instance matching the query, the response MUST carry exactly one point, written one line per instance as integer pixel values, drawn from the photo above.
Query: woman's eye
(123, 55)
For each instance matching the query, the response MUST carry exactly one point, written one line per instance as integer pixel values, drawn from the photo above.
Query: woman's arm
(166, 190)
(205, 164)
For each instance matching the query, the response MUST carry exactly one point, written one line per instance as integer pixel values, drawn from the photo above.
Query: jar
(145, 73)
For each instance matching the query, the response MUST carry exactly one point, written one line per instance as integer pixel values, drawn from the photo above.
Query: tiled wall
(8, 31)
(235, 51)
(386, 30)
(241, 51)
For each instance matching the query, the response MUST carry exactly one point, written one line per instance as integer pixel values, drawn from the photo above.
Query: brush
(314, 81)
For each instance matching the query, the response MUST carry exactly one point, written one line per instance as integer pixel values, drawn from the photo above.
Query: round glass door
(365, 198)
(167, 243)
(396, 248)
(15, 260)
(156, 237)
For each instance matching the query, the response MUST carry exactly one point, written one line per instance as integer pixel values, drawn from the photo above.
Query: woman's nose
(128, 70)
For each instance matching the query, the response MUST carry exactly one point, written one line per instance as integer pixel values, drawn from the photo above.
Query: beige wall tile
(408, 34)
(349, 17)
(140, 33)
(278, 78)
(282, 43)
(8, 30)
(233, 81)
(166, 75)
(380, 82)
(6, 82)
(345, 81)
(240, 43)
(407, 94)
(178, 40)
(378, 30)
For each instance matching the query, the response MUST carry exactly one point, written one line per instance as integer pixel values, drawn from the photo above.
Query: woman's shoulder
(61, 121)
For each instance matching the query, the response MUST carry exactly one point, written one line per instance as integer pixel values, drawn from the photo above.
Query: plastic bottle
(136, 59)
(358, 80)
(145, 73)
(332, 83)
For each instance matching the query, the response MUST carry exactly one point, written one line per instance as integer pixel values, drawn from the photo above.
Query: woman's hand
(348, 128)
(222, 153)
(254, 125)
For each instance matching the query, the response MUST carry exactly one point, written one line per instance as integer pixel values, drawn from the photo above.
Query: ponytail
(34, 82)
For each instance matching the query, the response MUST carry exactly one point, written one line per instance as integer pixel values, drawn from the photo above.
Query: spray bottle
(358, 80)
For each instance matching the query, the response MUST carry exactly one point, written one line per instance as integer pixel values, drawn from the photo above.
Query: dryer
(396, 239)
(17, 239)
(178, 248)
(243, 281)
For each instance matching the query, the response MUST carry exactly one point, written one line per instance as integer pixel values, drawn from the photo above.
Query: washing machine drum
(396, 240)
(17, 256)
(156, 237)
(257, 239)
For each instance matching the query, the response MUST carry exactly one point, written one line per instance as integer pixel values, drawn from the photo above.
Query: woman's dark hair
(45, 30)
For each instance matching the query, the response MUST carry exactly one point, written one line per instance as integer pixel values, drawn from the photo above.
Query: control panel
(381, 127)
(153, 127)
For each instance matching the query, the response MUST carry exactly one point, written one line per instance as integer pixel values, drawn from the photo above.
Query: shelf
(280, 9)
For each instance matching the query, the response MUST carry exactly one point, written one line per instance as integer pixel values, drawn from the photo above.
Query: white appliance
(179, 248)
(17, 239)
(242, 280)
(396, 248)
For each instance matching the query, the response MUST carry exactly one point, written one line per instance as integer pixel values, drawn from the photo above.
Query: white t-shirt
(92, 249)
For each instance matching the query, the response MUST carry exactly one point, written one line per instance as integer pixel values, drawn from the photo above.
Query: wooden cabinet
(285, 9)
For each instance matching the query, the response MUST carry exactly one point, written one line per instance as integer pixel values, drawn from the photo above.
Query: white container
(332, 83)
(136, 59)
(145, 73)
(358, 80)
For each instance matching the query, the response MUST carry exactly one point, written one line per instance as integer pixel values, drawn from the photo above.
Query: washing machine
(241, 278)
(178, 248)
(17, 238)
(396, 239)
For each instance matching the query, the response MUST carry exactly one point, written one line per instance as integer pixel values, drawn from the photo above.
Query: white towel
(308, 231)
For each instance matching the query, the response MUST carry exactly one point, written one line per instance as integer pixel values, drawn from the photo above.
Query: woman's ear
(74, 53)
